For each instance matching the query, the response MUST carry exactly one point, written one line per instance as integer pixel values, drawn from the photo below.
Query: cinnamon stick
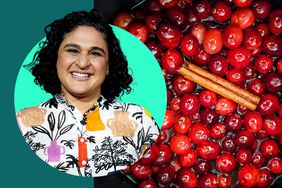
(219, 89)
(234, 88)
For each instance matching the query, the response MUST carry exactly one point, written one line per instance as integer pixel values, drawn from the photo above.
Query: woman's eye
(72, 51)
(94, 53)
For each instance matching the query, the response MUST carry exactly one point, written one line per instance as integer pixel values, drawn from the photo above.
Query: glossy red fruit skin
(149, 183)
(263, 30)
(218, 65)
(272, 45)
(250, 71)
(258, 160)
(233, 122)
(244, 139)
(252, 39)
(188, 159)
(168, 120)
(150, 156)
(164, 156)
(174, 104)
(186, 178)
(243, 156)
(248, 175)
(208, 150)
(189, 45)
(232, 36)
(176, 15)
(168, 3)
(182, 85)
(189, 104)
(139, 30)
(180, 144)
(224, 181)
(141, 171)
(272, 125)
(155, 48)
(279, 66)
(199, 31)
(228, 144)
(208, 116)
(123, 19)
(253, 121)
(239, 57)
(237, 76)
(269, 148)
(152, 21)
(263, 64)
(202, 166)
(198, 133)
(218, 131)
(208, 180)
(169, 35)
(182, 124)
(166, 174)
(256, 86)
(265, 178)
(203, 9)
(221, 11)
(242, 3)
(201, 57)
(207, 98)
(261, 9)
(275, 21)
(225, 163)
(212, 42)
(171, 61)
(273, 82)
(243, 17)
(225, 106)
(275, 165)
(268, 104)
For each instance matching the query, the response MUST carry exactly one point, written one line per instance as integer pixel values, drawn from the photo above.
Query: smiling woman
(82, 130)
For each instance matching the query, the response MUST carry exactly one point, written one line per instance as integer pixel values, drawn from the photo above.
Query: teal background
(148, 87)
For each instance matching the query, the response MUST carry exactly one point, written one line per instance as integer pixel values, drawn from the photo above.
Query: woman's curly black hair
(43, 65)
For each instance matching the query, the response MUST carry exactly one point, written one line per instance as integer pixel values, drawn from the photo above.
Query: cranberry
(202, 166)
(171, 60)
(165, 155)
(201, 57)
(141, 171)
(268, 104)
(168, 3)
(155, 48)
(208, 180)
(243, 17)
(192, 17)
(265, 178)
(150, 156)
(152, 21)
(188, 159)
(261, 9)
(221, 11)
(163, 137)
(228, 144)
(272, 125)
(189, 104)
(225, 163)
(239, 57)
(244, 139)
(166, 174)
(218, 65)
(242, 3)
(243, 156)
(275, 165)
(253, 121)
(174, 104)
(208, 150)
(232, 36)
(279, 66)
(198, 133)
(263, 30)
(233, 122)
(199, 31)
(168, 120)
(180, 144)
(224, 181)
(203, 9)
(169, 35)
(269, 148)
(263, 64)
(248, 175)
(208, 116)
(139, 30)
(218, 131)
(207, 98)
(176, 15)
(273, 82)
(237, 76)
(262, 134)
(258, 160)
(189, 45)
(252, 39)
(250, 71)
(212, 42)
(154, 5)
(272, 45)
(123, 19)
(242, 109)
(149, 183)
(186, 178)
(275, 22)
(182, 124)
(225, 106)
(182, 85)
(256, 86)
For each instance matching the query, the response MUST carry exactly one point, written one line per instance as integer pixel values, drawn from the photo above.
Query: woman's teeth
(77, 74)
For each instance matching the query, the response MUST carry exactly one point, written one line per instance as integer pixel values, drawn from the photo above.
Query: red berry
(253, 121)
(242, 3)
(225, 106)
(176, 15)
(248, 175)
(275, 21)
(237, 76)
(207, 98)
(182, 124)
(189, 45)
(168, 120)
(225, 163)
(261, 9)
(256, 86)
(189, 104)
(182, 85)
(123, 19)
(208, 150)
(164, 156)
(263, 64)
(207, 181)
(174, 104)
(168, 3)
(272, 45)
(171, 61)
(228, 144)
(166, 175)
(272, 125)
(169, 35)
(252, 39)
(275, 165)
(150, 156)
(149, 183)
(155, 48)
(221, 11)
(152, 21)
(268, 104)
(212, 42)
(202, 166)
(199, 31)
(180, 144)
(243, 156)
(258, 160)
(188, 159)
(201, 57)
(203, 9)
(233, 122)
(139, 30)
(269, 148)
(273, 82)
(239, 57)
(141, 171)
(265, 178)
(244, 139)
(218, 131)
(243, 17)
(224, 181)
(186, 178)
(198, 133)
(208, 116)
(232, 36)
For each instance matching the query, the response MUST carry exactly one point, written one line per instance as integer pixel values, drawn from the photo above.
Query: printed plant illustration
(111, 154)
(68, 143)
(73, 162)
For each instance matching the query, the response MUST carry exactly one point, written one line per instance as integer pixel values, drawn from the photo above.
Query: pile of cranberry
(207, 140)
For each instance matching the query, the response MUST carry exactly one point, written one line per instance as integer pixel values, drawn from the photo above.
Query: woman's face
(82, 62)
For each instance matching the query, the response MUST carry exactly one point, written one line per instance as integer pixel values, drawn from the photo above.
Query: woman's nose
(83, 61)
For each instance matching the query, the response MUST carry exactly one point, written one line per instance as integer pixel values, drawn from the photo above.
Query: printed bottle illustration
(54, 151)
